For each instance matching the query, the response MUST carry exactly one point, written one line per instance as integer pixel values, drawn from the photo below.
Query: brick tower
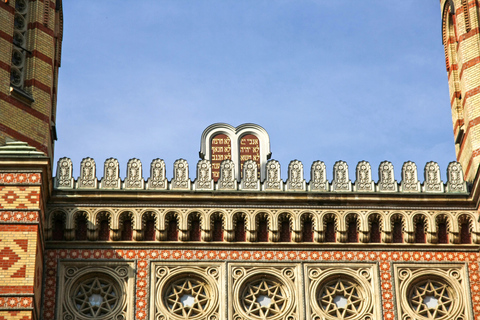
(460, 23)
(30, 46)
(30, 42)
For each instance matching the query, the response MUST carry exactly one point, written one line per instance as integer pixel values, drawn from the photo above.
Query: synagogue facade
(229, 237)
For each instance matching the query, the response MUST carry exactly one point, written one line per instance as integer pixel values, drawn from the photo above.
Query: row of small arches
(264, 226)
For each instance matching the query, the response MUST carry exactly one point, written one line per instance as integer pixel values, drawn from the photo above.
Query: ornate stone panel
(227, 179)
(433, 182)
(95, 290)
(364, 182)
(88, 174)
(157, 180)
(334, 291)
(181, 179)
(187, 291)
(64, 178)
(410, 181)
(264, 291)
(204, 179)
(455, 180)
(386, 178)
(134, 179)
(111, 175)
(432, 291)
(341, 182)
(250, 180)
(318, 177)
(295, 181)
(273, 182)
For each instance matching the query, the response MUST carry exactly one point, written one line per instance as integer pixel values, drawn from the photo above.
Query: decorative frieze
(250, 182)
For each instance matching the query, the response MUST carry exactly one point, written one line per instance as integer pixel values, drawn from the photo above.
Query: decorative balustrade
(250, 182)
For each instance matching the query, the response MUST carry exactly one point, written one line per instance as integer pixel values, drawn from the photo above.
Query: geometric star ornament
(95, 297)
(187, 297)
(340, 298)
(264, 298)
(431, 299)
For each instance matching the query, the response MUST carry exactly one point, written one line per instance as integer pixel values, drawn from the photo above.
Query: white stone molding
(273, 181)
(295, 181)
(433, 181)
(410, 181)
(235, 135)
(64, 178)
(204, 179)
(134, 179)
(386, 178)
(455, 180)
(157, 180)
(111, 175)
(227, 179)
(318, 177)
(250, 180)
(341, 181)
(364, 182)
(88, 175)
(181, 179)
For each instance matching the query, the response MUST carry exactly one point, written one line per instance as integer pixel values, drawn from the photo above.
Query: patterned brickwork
(19, 197)
(16, 315)
(143, 258)
(461, 38)
(29, 119)
(18, 246)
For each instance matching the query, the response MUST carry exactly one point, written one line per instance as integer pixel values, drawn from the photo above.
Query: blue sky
(328, 80)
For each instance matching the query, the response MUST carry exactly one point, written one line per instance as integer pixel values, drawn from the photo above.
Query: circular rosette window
(189, 296)
(342, 296)
(265, 296)
(432, 298)
(96, 297)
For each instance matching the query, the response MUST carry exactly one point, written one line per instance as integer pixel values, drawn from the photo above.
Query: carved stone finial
(410, 181)
(318, 177)
(88, 174)
(227, 176)
(181, 179)
(111, 177)
(250, 180)
(364, 182)
(295, 181)
(204, 179)
(134, 179)
(157, 180)
(433, 181)
(386, 178)
(455, 180)
(341, 181)
(273, 181)
(64, 178)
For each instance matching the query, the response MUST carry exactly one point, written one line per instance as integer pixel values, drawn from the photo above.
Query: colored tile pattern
(19, 216)
(20, 178)
(16, 302)
(143, 257)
